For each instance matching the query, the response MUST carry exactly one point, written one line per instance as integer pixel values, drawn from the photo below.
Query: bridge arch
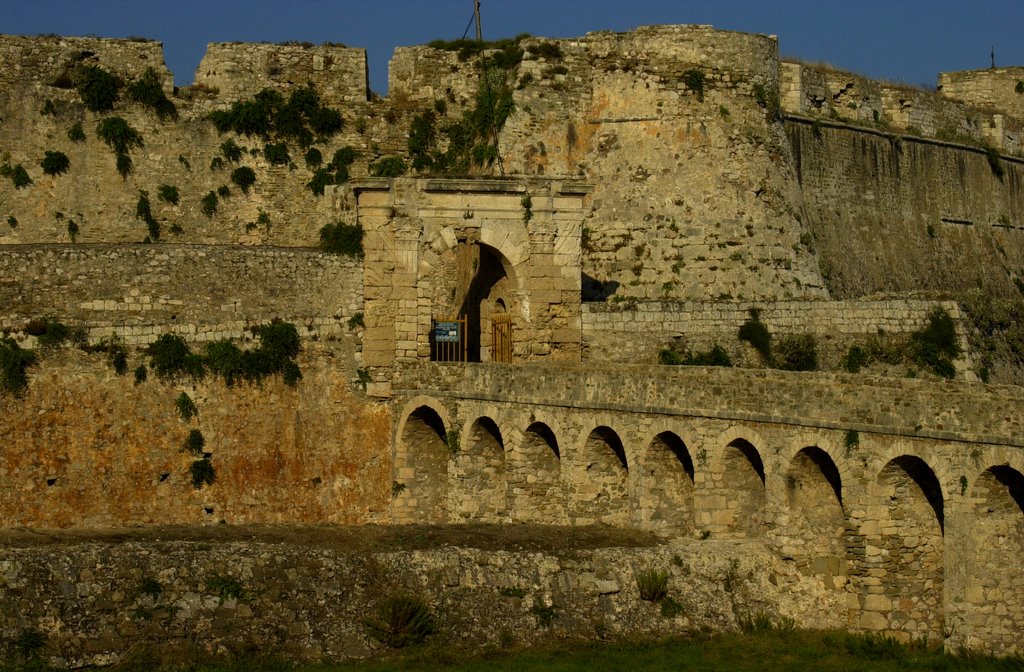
(664, 493)
(420, 473)
(903, 543)
(479, 481)
(598, 486)
(814, 523)
(535, 476)
(994, 580)
(739, 477)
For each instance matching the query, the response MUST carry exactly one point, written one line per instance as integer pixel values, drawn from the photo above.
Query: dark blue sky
(903, 41)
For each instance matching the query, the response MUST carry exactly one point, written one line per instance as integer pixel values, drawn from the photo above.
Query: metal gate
(501, 337)
(448, 340)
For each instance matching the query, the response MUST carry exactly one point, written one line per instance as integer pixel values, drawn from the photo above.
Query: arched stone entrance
(470, 282)
(666, 500)
(513, 240)
(743, 485)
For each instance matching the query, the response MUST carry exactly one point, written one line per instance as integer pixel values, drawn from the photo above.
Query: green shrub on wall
(202, 473)
(935, 345)
(98, 88)
(231, 151)
(170, 357)
(276, 154)
(243, 177)
(389, 166)
(797, 353)
(716, 356)
(17, 174)
(194, 442)
(342, 238)
(75, 133)
(118, 135)
(168, 194)
(756, 334)
(208, 203)
(55, 163)
(14, 361)
(148, 92)
(402, 621)
(301, 119)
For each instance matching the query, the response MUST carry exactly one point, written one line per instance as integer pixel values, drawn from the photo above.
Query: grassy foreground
(772, 650)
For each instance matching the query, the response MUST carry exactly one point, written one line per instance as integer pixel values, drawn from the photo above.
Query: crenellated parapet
(240, 70)
(1000, 89)
(46, 60)
(954, 113)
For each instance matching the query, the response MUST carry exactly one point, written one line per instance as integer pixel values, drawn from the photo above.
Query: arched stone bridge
(906, 495)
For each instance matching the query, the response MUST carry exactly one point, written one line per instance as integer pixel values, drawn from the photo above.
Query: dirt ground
(355, 538)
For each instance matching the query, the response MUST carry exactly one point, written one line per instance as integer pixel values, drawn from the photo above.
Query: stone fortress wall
(634, 333)
(996, 88)
(676, 213)
(703, 205)
(202, 292)
(959, 111)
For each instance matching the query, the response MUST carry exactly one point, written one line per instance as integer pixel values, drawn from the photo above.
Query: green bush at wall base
(170, 356)
(716, 356)
(402, 621)
(797, 353)
(855, 359)
(935, 346)
(754, 332)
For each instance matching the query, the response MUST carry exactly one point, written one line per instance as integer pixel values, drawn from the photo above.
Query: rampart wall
(85, 447)
(307, 593)
(238, 71)
(41, 60)
(900, 214)
(202, 292)
(184, 153)
(636, 332)
(992, 87)
(948, 114)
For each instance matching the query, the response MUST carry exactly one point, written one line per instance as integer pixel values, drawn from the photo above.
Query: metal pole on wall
(476, 13)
